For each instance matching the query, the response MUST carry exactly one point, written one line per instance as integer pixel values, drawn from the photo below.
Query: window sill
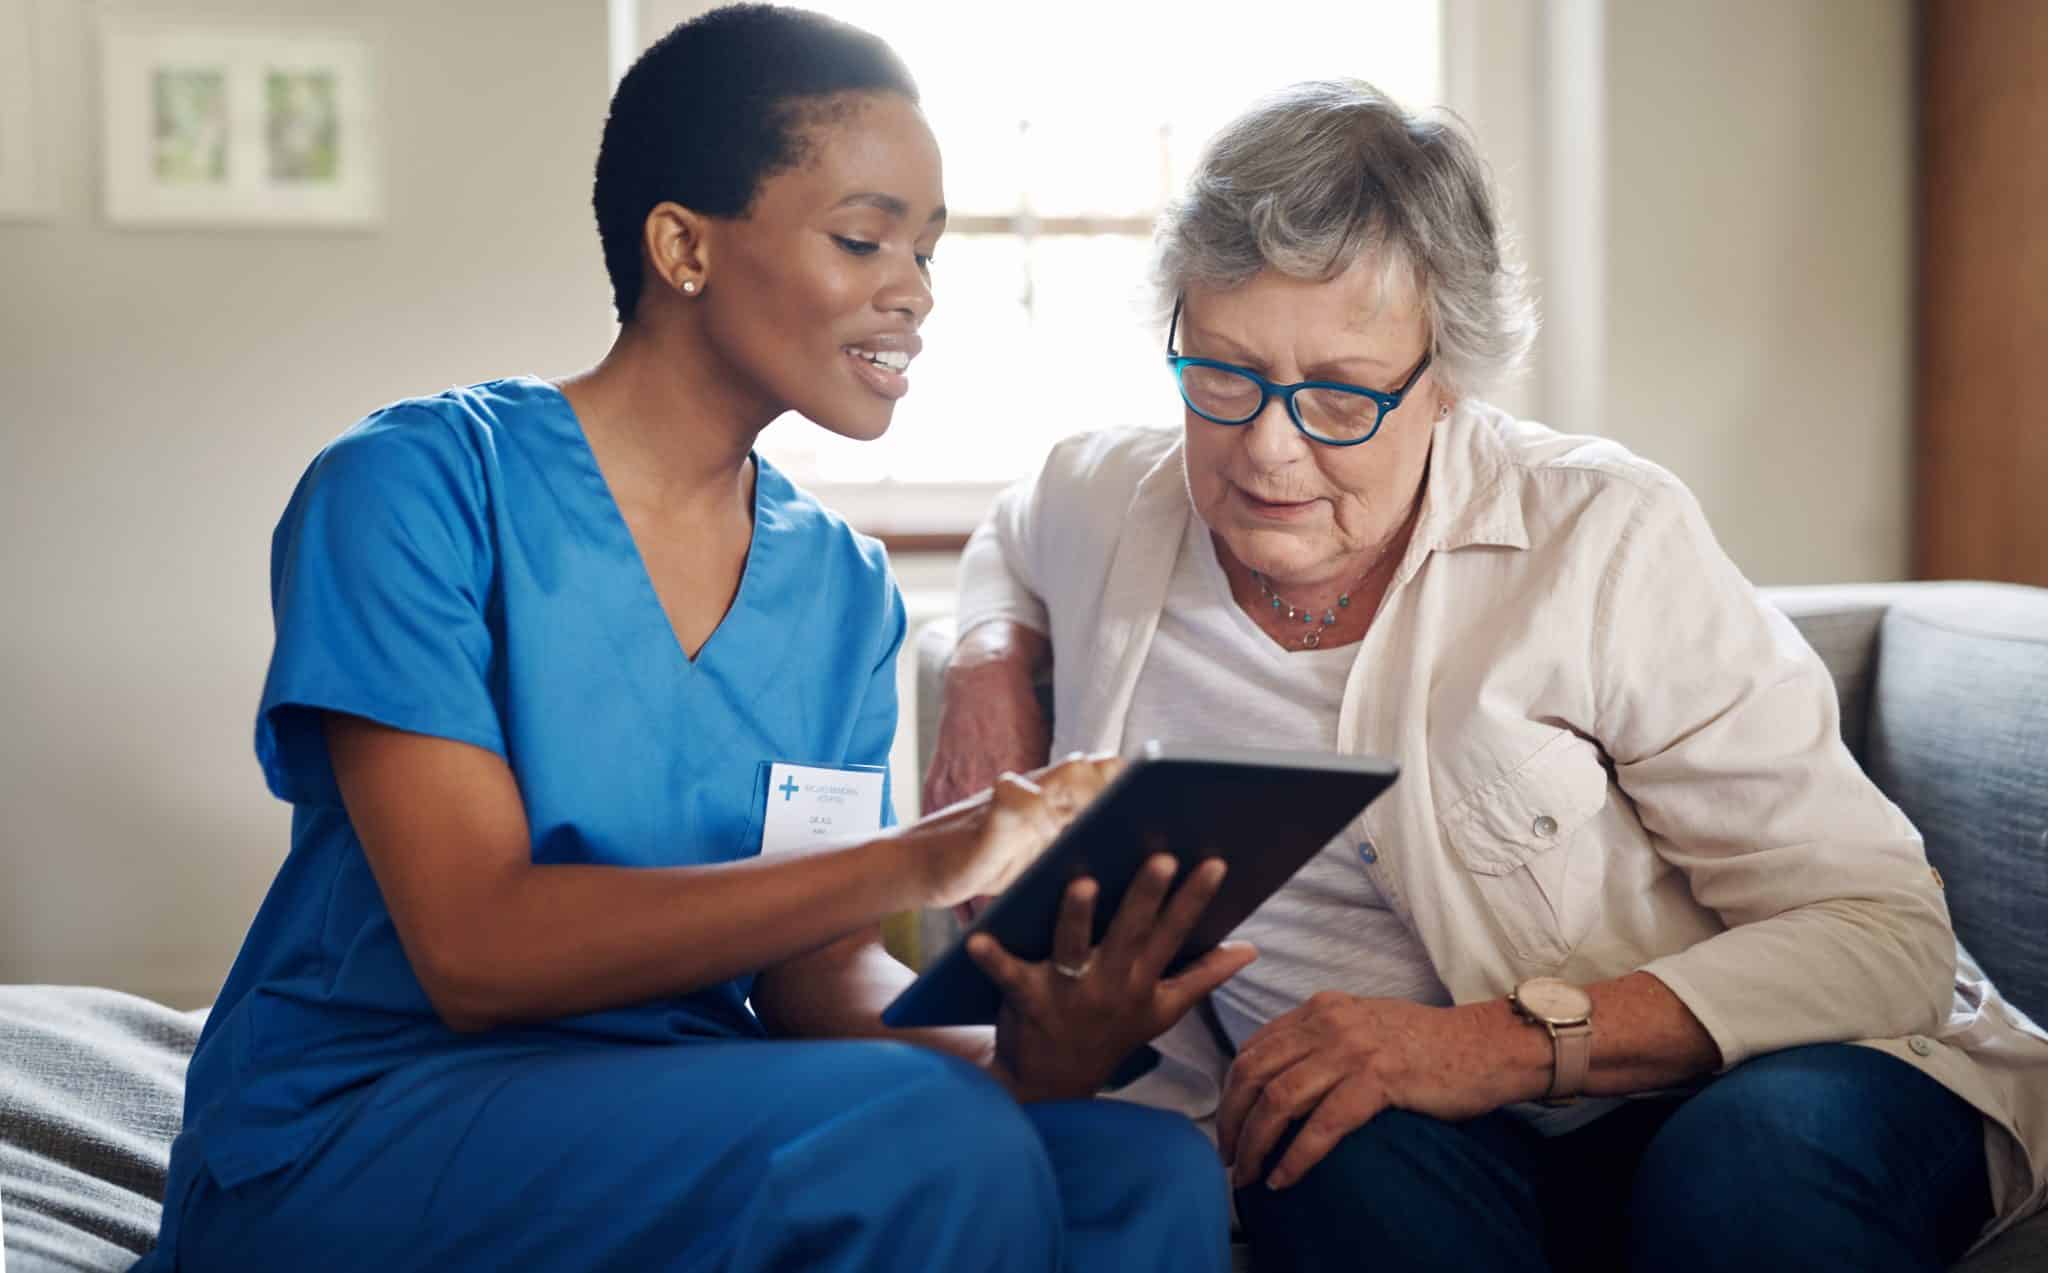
(911, 516)
(899, 542)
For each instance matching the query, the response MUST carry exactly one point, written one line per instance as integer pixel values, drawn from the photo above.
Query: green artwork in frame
(274, 125)
(190, 126)
(302, 126)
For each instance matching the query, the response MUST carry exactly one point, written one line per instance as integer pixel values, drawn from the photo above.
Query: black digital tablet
(1265, 813)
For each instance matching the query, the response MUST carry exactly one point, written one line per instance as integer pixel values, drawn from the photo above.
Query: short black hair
(716, 106)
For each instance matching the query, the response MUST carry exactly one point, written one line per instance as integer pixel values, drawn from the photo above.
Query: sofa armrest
(1841, 623)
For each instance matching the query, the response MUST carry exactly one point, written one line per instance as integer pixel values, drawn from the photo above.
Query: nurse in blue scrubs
(526, 994)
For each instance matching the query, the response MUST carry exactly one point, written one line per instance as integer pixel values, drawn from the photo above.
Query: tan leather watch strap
(1574, 1046)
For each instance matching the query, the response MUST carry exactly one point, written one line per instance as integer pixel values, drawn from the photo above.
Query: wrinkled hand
(990, 721)
(981, 844)
(1337, 1061)
(1060, 1037)
(990, 724)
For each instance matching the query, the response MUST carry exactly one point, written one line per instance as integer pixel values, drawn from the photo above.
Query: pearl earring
(689, 287)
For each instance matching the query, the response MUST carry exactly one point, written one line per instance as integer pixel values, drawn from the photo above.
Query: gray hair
(1318, 175)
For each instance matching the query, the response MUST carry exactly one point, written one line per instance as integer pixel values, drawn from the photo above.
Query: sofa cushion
(1958, 736)
(92, 1090)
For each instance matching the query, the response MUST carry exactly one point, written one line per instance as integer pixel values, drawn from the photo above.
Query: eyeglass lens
(1232, 398)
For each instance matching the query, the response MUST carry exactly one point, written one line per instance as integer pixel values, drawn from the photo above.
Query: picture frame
(231, 126)
(21, 157)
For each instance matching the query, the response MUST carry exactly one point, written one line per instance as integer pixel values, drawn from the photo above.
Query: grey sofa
(92, 1090)
(1944, 694)
(1944, 691)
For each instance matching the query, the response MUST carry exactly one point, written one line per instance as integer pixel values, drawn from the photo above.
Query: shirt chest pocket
(1517, 837)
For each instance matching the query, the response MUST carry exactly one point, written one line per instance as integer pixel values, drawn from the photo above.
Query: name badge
(812, 807)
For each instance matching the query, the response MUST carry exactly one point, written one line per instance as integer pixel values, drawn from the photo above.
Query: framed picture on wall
(228, 126)
(20, 143)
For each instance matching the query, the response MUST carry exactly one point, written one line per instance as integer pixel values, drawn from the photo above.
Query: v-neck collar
(746, 627)
(1198, 540)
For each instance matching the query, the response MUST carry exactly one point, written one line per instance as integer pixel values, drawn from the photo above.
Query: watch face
(1558, 1002)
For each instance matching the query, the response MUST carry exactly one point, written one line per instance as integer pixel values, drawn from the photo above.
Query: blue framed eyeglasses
(1326, 411)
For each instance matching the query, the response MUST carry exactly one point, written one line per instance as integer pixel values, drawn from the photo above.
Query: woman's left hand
(1061, 1034)
(1338, 1060)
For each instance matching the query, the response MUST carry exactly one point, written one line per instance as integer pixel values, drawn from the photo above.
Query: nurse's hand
(1067, 1023)
(976, 847)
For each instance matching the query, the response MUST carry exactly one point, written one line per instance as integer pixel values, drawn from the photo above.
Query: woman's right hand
(978, 846)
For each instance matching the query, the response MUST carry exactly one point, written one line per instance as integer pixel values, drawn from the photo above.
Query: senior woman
(1579, 992)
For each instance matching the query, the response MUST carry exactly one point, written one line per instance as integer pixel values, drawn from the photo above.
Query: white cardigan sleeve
(998, 568)
(1048, 540)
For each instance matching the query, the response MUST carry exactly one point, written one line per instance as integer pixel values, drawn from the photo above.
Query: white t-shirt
(1212, 676)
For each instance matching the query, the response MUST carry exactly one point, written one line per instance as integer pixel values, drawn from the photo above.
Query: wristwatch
(1566, 1013)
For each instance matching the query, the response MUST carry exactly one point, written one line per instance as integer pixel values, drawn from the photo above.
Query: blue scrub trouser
(735, 1157)
(1829, 1157)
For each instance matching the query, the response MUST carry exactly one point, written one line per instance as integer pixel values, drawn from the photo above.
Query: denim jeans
(1827, 1157)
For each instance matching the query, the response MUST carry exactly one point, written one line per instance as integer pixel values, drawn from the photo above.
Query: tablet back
(1264, 812)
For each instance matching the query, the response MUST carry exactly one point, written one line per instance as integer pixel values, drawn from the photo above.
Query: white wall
(1715, 203)
(1758, 332)
(163, 392)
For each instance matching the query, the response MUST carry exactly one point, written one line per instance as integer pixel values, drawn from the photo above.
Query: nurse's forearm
(562, 940)
(838, 992)
(495, 939)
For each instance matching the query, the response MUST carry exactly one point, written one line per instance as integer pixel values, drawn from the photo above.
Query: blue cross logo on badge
(788, 789)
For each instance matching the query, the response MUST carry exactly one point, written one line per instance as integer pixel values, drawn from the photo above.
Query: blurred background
(1794, 250)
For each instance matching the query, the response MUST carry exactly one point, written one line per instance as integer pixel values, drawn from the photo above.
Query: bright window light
(1064, 126)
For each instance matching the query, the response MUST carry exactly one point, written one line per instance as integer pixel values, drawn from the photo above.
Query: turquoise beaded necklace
(1313, 623)
(1313, 636)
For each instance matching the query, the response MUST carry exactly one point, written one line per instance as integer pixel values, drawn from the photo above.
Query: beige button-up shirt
(1615, 757)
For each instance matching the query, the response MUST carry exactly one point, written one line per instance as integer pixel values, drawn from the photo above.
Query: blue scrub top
(456, 566)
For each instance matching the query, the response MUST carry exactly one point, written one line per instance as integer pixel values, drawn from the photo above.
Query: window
(1064, 127)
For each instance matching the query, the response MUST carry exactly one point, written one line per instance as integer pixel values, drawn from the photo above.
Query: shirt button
(1366, 853)
(1921, 1045)
(1545, 825)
